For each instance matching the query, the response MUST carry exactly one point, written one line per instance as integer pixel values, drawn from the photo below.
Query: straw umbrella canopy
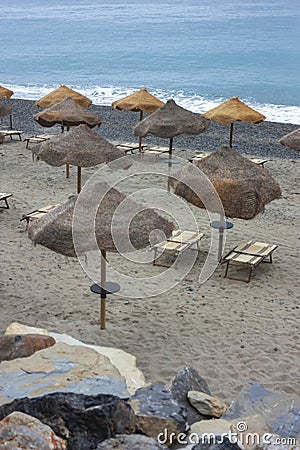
(5, 93)
(169, 121)
(231, 111)
(67, 113)
(243, 187)
(292, 140)
(60, 94)
(140, 101)
(55, 230)
(81, 147)
(5, 110)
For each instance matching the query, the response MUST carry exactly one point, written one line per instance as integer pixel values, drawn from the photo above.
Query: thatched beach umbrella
(59, 94)
(97, 231)
(292, 140)
(5, 93)
(5, 110)
(243, 187)
(68, 114)
(169, 121)
(231, 111)
(140, 101)
(81, 147)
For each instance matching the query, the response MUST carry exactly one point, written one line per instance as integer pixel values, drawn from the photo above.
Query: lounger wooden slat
(38, 213)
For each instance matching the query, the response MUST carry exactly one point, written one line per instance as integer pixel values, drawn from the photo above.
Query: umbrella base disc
(217, 224)
(111, 288)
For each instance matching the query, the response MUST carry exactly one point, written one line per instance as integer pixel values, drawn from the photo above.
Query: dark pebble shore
(261, 140)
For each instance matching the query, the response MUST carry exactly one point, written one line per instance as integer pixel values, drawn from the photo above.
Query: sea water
(199, 52)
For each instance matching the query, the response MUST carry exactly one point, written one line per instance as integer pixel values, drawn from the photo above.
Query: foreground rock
(84, 421)
(156, 413)
(14, 346)
(61, 368)
(226, 444)
(21, 431)
(123, 361)
(281, 412)
(131, 442)
(214, 430)
(206, 404)
(187, 380)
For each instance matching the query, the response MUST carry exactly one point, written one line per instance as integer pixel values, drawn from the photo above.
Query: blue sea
(199, 52)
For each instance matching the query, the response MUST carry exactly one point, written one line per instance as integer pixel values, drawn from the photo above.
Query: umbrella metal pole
(67, 171)
(10, 121)
(140, 139)
(231, 135)
(103, 290)
(169, 162)
(221, 237)
(78, 179)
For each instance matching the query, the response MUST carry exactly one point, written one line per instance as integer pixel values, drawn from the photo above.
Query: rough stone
(61, 368)
(18, 437)
(273, 444)
(157, 412)
(131, 442)
(83, 420)
(18, 424)
(280, 411)
(14, 346)
(187, 380)
(123, 361)
(254, 428)
(206, 404)
(225, 444)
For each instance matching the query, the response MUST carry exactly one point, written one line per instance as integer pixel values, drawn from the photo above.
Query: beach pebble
(206, 404)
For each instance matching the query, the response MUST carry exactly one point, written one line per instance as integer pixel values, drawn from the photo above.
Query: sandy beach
(231, 332)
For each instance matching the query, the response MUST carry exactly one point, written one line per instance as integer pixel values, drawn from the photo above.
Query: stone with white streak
(60, 368)
(206, 404)
(123, 361)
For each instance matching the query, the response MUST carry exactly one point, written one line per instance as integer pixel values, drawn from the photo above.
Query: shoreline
(261, 140)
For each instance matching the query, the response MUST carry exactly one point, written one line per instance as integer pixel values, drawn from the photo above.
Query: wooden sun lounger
(178, 243)
(37, 213)
(248, 255)
(37, 139)
(259, 162)
(130, 148)
(11, 133)
(3, 197)
(199, 156)
(154, 151)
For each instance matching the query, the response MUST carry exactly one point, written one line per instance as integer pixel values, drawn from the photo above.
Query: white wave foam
(196, 103)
